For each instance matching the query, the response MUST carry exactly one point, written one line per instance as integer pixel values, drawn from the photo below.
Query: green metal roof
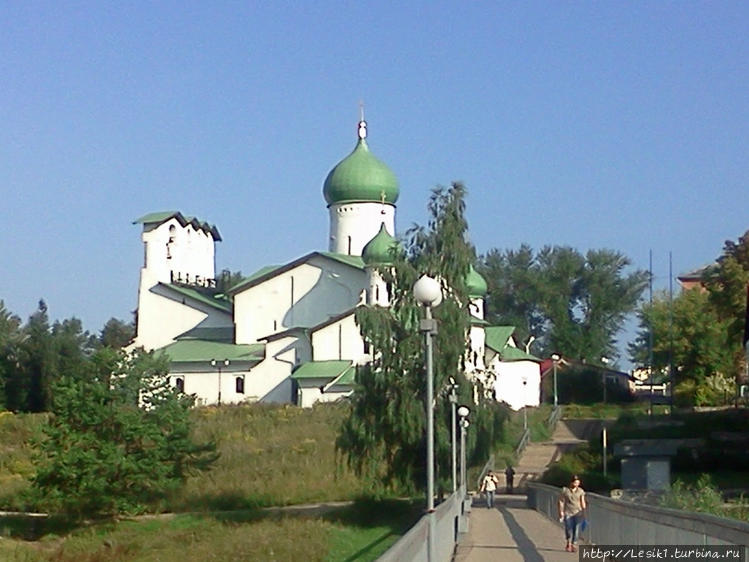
(510, 353)
(220, 334)
(381, 249)
(353, 261)
(220, 303)
(361, 177)
(163, 216)
(196, 351)
(321, 370)
(498, 339)
(498, 336)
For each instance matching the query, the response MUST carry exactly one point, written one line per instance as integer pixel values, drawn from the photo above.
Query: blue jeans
(571, 525)
(489, 498)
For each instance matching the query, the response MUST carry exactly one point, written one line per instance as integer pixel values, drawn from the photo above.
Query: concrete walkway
(511, 532)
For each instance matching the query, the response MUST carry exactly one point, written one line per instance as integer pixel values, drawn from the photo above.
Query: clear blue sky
(617, 125)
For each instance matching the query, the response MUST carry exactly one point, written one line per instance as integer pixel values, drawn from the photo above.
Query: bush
(704, 497)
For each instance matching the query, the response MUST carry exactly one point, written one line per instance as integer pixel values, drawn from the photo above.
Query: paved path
(511, 532)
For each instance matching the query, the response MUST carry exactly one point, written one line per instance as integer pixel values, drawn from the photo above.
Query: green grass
(16, 456)
(609, 410)
(362, 531)
(270, 456)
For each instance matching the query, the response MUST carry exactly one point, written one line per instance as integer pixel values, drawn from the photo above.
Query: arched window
(239, 385)
(179, 384)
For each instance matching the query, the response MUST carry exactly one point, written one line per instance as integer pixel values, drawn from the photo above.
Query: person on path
(489, 487)
(572, 511)
(509, 476)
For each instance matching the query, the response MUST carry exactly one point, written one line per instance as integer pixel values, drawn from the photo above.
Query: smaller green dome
(379, 250)
(361, 177)
(475, 284)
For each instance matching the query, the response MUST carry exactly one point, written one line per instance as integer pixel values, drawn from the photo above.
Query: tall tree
(37, 359)
(512, 298)
(12, 389)
(687, 333)
(116, 333)
(118, 440)
(571, 303)
(384, 435)
(726, 283)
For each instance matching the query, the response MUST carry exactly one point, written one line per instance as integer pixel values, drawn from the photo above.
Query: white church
(287, 333)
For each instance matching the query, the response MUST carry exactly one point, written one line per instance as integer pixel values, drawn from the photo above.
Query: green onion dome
(379, 250)
(361, 177)
(475, 284)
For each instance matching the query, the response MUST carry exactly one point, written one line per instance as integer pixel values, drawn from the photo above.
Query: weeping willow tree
(384, 437)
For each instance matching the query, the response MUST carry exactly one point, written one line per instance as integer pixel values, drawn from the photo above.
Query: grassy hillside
(270, 456)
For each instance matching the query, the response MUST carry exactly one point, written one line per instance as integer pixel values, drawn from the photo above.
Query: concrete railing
(621, 522)
(443, 525)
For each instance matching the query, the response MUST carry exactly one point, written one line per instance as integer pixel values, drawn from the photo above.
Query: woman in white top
(489, 487)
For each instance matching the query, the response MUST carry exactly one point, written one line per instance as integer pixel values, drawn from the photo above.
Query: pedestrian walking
(489, 487)
(509, 477)
(572, 508)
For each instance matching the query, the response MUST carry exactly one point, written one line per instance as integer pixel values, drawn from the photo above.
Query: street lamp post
(605, 361)
(555, 357)
(453, 436)
(463, 412)
(218, 364)
(525, 405)
(428, 293)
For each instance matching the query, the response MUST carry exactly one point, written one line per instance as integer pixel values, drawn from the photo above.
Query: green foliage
(227, 279)
(715, 390)
(584, 385)
(704, 497)
(116, 333)
(573, 304)
(700, 332)
(117, 440)
(11, 395)
(686, 331)
(384, 437)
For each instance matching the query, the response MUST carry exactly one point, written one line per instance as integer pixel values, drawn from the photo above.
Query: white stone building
(286, 333)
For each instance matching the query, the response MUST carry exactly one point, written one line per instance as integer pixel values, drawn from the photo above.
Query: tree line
(36, 354)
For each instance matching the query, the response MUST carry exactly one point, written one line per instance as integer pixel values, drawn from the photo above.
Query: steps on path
(537, 457)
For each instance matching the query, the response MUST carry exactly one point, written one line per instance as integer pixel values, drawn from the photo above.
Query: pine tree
(384, 436)
(116, 441)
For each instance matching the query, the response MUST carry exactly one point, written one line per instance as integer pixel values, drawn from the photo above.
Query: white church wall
(352, 225)
(311, 392)
(205, 382)
(304, 296)
(161, 318)
(378, 290)
(339, 340)
(269, 380)
(509, 385)
(476, 350)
